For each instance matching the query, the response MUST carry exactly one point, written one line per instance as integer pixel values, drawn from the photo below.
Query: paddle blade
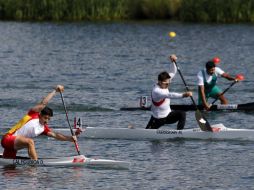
(239, 77)
(202, 121)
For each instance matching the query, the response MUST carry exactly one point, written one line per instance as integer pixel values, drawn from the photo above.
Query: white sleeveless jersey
(218, 71)
(31, 129)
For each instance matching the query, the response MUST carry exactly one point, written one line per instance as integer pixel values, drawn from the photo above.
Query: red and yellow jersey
(29, 126)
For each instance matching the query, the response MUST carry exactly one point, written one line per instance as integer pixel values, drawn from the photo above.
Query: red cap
(216, 60)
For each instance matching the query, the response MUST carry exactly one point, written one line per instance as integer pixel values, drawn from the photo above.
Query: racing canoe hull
(220, 132)
(72, 161)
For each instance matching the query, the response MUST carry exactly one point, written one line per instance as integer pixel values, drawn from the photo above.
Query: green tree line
(223, 11)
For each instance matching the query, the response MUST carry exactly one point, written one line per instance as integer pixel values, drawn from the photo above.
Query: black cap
(47, 111)
(209, 65)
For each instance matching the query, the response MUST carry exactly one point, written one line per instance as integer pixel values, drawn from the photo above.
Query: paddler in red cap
(207, 79)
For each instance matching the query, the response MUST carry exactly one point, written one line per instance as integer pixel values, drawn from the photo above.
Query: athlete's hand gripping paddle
(238, 78)
(72, 133)
(202, 121)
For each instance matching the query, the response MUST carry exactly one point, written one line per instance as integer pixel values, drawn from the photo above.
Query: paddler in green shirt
(207, 87)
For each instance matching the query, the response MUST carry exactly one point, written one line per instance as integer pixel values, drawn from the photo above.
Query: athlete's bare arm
(38, 107)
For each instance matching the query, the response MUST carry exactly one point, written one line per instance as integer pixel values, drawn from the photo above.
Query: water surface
(106, 66)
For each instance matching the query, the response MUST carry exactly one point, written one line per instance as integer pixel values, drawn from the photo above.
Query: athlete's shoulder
(46, 130)
(200, 72)
(33, 113)
(218, 71)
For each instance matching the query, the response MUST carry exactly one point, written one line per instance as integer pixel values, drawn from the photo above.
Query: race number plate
(77, 123)
(143, 102)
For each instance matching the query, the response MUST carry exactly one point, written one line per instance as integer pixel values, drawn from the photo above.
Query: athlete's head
(210, 67)
(45, 115)
(164, 79)
(47, 111)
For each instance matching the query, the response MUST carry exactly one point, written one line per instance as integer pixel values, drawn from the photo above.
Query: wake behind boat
(220, 132)
(72, 161)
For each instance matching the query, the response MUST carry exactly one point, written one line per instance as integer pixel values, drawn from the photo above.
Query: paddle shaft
(232, 84)
(185, 84)
(199, 116)
(72, 133)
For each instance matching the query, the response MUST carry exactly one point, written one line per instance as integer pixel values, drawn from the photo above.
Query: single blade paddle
(202, 121)
(239, 77)
(72, 133)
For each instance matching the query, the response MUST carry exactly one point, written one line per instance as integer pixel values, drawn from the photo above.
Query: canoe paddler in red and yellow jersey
(207, 79)
(33, 124)
(161, 111)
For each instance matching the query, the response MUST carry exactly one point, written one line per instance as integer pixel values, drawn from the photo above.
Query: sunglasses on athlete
(165, 83)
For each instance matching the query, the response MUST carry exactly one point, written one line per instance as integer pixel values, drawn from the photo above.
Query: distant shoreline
(215, 11)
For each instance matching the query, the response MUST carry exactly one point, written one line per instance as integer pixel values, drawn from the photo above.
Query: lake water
(106, 66)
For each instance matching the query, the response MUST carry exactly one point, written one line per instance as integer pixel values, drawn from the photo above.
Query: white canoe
(73, 161)
(220, 132)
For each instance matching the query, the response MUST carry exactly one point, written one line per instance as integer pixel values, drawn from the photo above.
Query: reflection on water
(27, 176)
(106, 66)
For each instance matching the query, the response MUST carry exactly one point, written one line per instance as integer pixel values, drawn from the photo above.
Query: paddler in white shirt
(161, 111)
(207, 79)
(33, 124)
